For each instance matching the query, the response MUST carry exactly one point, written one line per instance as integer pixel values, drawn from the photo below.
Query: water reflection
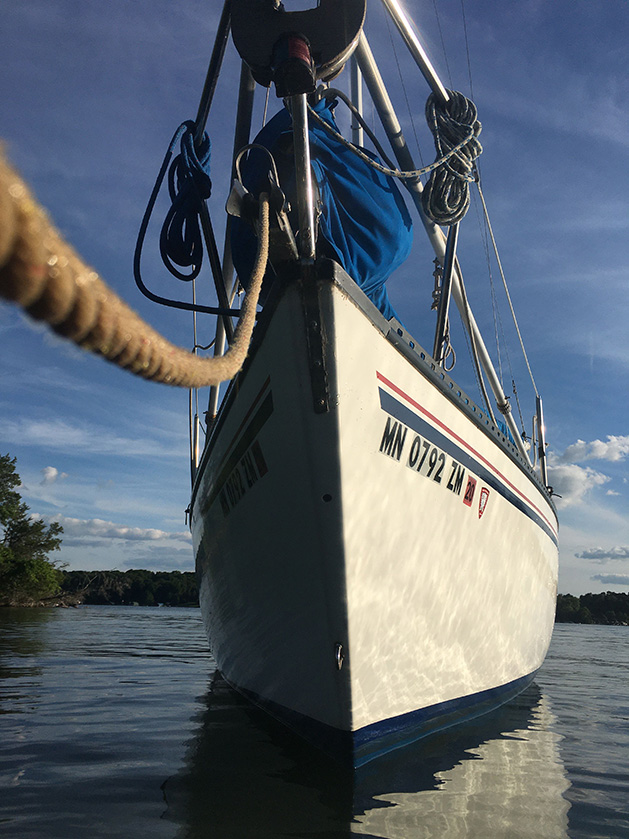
(22, 641)
(245, 775)
(506, 779)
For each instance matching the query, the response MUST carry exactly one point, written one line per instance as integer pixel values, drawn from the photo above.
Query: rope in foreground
(43, 274)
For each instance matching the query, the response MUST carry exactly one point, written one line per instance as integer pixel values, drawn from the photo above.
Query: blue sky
(91, 94)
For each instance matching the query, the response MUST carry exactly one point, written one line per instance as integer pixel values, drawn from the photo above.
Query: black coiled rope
(446, 196)
(189, 185)
(181, 239)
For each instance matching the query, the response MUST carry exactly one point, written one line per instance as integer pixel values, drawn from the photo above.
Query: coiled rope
(189, 184)
(408, 175)
(455, 128)
(43, 274)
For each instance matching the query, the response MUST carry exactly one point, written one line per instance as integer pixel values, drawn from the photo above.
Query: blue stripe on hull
(360, 747)
(377, 739)
(396, 409)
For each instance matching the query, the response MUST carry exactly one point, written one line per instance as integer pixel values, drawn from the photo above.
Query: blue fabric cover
(364, 222)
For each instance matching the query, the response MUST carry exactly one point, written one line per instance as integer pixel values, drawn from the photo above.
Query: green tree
(567, 608)
(27, 575)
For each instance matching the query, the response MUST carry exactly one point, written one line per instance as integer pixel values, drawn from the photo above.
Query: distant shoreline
(138, 587)
(609, 608)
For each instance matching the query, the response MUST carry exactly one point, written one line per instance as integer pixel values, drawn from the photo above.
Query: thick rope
(455, 127)
(41, 273)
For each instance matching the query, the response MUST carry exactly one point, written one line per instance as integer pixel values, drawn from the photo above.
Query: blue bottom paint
(366, 744)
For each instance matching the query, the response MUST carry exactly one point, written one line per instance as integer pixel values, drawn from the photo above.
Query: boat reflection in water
(246, 776)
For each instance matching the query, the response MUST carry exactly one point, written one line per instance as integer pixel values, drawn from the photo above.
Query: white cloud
(92, 531)
(612, 579)
(572, 482)
(162, 558)
(614, 449)
(605, 554)
(52, 474)
(67, 437)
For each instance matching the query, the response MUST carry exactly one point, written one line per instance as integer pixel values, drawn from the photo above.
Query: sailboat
(376, 552)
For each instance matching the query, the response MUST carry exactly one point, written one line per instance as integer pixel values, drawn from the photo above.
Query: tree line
(607, 607)
(129, 588)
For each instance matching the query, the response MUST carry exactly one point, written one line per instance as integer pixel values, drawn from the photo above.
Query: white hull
(314, 528)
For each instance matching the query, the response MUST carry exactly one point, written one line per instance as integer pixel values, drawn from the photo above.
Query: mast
(444, 298)
(356, 93)
(405, 27)
(303, 174)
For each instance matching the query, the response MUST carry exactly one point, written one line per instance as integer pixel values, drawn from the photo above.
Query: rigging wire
(443, 44)
(266, 105)
(467, 49)
(402, 83)
(494, 302)
(487, 228)
(498, 325)
(506, 288)
(469, 337)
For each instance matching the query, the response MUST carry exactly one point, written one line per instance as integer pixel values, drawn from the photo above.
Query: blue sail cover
(364, 223)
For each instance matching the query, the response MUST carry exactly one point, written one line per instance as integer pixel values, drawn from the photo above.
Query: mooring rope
(43, 274)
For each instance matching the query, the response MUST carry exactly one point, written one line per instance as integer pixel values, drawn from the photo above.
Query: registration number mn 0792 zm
(425, 458)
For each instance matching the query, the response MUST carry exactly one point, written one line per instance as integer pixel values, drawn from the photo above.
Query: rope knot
(189, 185)
(192, 165)
(446, 197)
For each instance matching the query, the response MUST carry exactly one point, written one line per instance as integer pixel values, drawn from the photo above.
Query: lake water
(112, 725)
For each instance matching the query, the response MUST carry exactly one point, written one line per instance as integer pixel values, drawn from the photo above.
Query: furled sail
(363, 223)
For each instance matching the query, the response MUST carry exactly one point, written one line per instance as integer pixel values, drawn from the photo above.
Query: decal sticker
(469, 491)
(393, 439)
(244, 463)
(482, 504)
(424, 458)
(456, 477)
(251, 467)
(256, 451)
